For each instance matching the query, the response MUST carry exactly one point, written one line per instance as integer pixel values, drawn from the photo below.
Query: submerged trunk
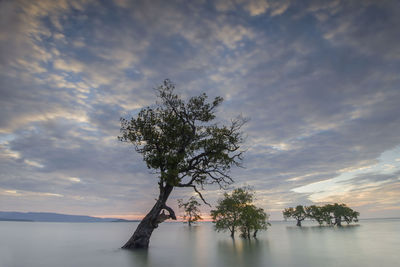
(338, 221)
(255, 233)
(298, 223)
(233, 232)
(142, 234)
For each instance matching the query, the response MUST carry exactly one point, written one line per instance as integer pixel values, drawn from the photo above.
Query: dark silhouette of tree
(331, 214)
(297, 213)
(236, 211)
(191, 209)
(227, 213)
(179, 140)
(252, 219)
(340, 212)
(316, 213)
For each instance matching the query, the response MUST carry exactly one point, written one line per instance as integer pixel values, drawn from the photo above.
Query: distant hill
(53, 217)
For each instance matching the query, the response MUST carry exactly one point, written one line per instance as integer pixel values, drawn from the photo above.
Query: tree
(331, 214)
(179, 141)
(252, 219)
(327, 211)
(226, 216)
(236, 211)
(297, 213)
(191, 209)
(316, 213)
(342, 212)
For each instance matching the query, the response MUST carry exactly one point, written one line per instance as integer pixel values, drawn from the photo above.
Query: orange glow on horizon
(206, 218)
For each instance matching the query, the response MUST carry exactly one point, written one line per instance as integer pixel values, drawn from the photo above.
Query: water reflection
(374, 243)
(138, 257)
(241, 252)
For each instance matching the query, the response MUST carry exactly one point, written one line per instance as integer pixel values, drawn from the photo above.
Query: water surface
(34, 244)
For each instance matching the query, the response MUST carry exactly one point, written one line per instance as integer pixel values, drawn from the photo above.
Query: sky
(319, 81)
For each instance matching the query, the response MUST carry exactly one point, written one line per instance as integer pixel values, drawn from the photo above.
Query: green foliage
(331, 214)
(252, 219)
(297, 213)
(191, 209)
(178, 139)
(336, 213)
(315, 213)
(236, 210)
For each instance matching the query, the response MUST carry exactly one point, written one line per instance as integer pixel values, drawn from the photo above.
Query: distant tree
(179, 140)
(252, 219)
(236, 211)
(297, 213)
(226, 216)
(351, 216)
(342, 212)
(327, 214)
(191, 209)
(332, 214)
(315, 213)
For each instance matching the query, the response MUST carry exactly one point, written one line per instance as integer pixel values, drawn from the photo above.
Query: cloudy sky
(319, 80)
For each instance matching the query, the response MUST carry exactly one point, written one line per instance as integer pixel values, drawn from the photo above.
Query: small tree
(227, 213)
(342, 212)
(236, 211)
(315, 213)
(297, 213)
(179, 140)
(331, 214)
(191, 209)
(252, 219)
(327, 213)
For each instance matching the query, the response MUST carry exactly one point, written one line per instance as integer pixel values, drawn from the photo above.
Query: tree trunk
(142, 234)
(298, 223)
(255, 233)
(338, 221)
(233, 232)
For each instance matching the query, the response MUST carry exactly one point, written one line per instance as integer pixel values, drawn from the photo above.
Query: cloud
(318, 80)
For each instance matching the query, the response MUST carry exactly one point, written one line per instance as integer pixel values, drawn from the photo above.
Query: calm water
(372, 243)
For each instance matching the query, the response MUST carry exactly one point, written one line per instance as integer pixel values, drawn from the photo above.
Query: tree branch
(171, 212)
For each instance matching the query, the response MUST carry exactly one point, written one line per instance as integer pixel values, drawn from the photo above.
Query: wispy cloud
(318, 79)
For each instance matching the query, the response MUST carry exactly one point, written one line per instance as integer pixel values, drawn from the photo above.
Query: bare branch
(171, 212)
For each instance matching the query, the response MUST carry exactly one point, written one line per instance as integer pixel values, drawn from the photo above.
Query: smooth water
(31, 244)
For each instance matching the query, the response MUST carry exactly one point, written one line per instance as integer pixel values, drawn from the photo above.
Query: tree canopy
(331, 214)
(252, 219)
(236, 211)
(180, 142)
(297, 213)
(191, 210)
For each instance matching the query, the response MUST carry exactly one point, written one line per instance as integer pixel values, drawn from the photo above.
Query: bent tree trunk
(142, 234)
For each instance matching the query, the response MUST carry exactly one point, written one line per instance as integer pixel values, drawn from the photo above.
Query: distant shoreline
(54, 217)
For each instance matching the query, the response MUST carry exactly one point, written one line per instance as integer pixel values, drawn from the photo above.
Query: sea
(373, 242)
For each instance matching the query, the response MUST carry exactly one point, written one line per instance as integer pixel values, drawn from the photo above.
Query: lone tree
(191, 209)
(236, 211)
(179, 140)
(297, 213)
